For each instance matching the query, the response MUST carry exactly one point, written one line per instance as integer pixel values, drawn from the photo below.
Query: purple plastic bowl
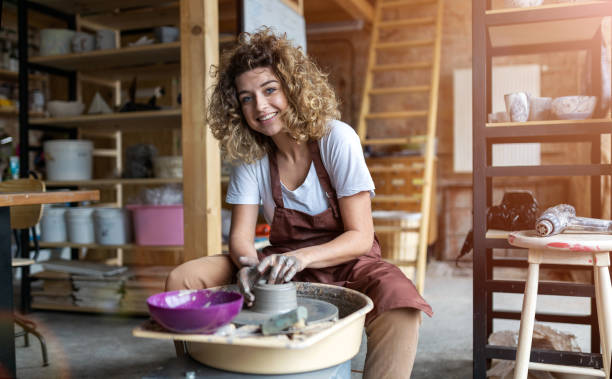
(194, 311)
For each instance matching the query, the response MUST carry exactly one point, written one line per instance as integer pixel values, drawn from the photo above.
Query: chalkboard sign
(278, 16)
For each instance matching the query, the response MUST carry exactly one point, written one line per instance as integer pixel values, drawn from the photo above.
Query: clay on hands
(247, 277)
(281, 267)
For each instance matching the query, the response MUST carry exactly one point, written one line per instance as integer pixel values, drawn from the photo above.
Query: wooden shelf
(112, 182)
(75, 308)
(523, 131)
(49, 245)
(14, 76)
(154, 54)
(114, 121)
(112, 58)
(14, 112)
(546, 24)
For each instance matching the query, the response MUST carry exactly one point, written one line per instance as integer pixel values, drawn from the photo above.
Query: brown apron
(383, 282)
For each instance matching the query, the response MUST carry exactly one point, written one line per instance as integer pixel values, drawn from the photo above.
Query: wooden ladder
(404, 183)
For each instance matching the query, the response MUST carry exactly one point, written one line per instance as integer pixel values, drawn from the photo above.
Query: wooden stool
(565, 249)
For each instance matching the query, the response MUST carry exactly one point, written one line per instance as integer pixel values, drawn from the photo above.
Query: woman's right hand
(247, 277)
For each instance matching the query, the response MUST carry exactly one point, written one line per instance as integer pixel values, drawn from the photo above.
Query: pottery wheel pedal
(274, 299)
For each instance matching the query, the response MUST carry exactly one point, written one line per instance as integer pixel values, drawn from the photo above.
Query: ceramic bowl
(523, 3)
(539, 108)
(498, 117)
(59, 108)
(573, 107)
(194, 311)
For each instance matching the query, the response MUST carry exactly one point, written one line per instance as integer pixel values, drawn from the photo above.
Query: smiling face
(262, 100)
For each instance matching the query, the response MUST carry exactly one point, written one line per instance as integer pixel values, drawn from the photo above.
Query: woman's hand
(281, 267)
(247, 277)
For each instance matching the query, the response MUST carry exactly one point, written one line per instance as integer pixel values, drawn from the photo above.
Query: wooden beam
(201, 157)
(359, 9)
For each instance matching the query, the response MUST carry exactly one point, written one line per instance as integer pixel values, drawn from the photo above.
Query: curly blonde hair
(311, 99)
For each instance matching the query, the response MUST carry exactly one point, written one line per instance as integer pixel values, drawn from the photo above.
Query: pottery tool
(278, 323)
(562, 218)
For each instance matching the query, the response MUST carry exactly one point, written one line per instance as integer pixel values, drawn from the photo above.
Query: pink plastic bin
(158, 224)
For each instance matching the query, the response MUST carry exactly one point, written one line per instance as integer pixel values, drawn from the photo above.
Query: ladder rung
(386, 141)
(398, 45)
(390, 90)
(394, 141)
(401, 66)
(396, 114)
(105, 153)
(396, 199)
(401, 3)
(406, 22)
(394, 229)
(375, 169)
(399, 262)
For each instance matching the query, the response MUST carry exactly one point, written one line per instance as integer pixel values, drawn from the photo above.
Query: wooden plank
(403, 44)
(407, 22)
(404, 3)
(28, 198)
(406, 114)
(111, 121)
(396, 90)
(112, 182)
(144, 18)
(98, 246)
(201, 155)
(105, 59)
(359, 9)
(428, 189)
(401, 66)
(369, 79)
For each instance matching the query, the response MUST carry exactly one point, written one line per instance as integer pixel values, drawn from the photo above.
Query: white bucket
(79, 222)
(111, 226)
(68, 159)
(53, 225)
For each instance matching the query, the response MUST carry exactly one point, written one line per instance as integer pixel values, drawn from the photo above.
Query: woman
(274, 112)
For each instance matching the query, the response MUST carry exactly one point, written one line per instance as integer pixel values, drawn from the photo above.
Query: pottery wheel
(318, 311)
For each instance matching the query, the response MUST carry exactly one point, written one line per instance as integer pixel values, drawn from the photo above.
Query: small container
(399, 246)
(14, 166)
(53, 224)
(80, 226)
(168, 167)
(68, 159)
(111, 226)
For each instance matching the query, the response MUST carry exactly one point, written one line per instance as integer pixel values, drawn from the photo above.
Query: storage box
(159, 225)
(398, 234)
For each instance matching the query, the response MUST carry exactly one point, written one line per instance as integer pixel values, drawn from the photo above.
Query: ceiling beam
(359, 9)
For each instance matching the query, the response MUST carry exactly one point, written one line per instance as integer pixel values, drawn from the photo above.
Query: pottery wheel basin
(325, 345)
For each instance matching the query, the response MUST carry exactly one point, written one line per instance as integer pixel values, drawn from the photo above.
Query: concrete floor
(98, 346)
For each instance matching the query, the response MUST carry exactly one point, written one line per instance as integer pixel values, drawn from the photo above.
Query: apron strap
(332, 198)
(275, 183)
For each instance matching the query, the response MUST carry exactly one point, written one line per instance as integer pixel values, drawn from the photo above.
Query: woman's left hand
(282, 267)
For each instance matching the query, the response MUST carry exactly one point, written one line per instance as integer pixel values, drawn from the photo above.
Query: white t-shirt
(343, 159)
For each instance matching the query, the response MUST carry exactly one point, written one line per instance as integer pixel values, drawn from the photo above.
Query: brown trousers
(392, 336)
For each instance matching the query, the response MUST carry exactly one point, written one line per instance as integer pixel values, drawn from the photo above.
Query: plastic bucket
(53, 225)
(111, 226)
(68, 159)
(160, 225)
(80, 226)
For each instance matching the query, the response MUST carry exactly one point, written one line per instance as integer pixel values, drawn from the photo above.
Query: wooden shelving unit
(507, 32)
